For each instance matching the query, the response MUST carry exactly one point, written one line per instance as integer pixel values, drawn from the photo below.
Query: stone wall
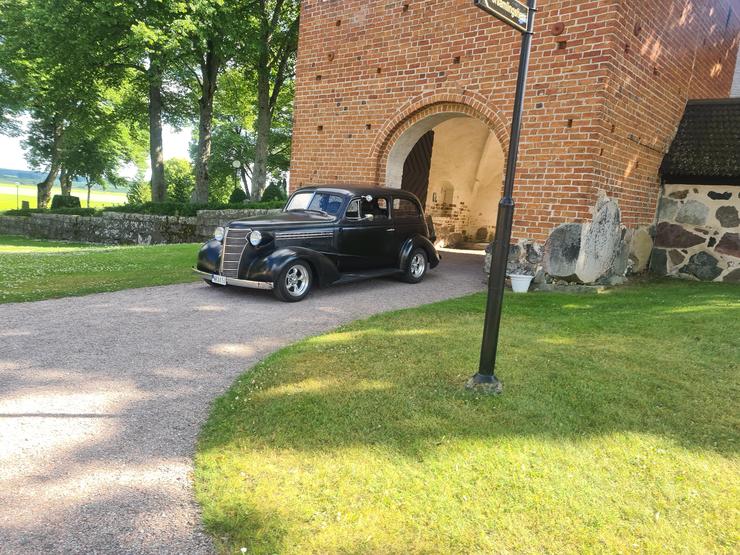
(600, 251)
(698, 233)
(123, 229)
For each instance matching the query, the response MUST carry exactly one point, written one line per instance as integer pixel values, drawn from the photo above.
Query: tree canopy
(90, 85)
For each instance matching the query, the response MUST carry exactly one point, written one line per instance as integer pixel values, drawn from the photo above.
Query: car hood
(283, 219)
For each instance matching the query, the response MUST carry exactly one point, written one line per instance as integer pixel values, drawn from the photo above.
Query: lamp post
(237, 165)
(520, 17)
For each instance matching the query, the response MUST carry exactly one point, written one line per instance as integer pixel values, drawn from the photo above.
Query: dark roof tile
(707, 144)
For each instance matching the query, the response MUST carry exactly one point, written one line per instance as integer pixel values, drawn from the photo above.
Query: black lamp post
(513, 13)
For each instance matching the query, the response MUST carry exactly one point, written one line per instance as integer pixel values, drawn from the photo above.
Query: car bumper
(246, 283)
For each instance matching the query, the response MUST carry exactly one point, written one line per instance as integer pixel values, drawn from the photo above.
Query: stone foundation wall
(123, 229)
(698, 233)
(601, 251)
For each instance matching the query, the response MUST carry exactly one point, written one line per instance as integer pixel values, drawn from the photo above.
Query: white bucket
(520, 283)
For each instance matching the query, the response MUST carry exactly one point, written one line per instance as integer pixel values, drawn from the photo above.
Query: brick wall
(598, 116)
(662, 53)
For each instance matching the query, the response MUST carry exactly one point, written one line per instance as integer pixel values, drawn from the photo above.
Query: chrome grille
(234, 243)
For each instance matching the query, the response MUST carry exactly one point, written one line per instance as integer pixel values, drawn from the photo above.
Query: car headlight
(255, 238)
(218, 235)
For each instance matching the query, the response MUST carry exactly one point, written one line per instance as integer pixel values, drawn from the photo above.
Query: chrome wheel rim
(297, 280)
(418, 265)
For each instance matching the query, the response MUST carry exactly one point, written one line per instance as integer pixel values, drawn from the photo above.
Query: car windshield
(326, 203)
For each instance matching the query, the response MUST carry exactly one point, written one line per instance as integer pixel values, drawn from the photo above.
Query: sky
(12, 158)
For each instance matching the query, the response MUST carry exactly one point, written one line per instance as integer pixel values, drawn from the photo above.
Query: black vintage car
(323, 236)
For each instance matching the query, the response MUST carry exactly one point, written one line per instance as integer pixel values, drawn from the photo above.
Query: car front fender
(421, 242)
(209, 257)
(268, 268)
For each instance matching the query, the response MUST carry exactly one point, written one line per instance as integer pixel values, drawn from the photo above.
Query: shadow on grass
(661, 359)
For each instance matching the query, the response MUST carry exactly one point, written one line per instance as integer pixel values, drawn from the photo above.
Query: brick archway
(400, 133)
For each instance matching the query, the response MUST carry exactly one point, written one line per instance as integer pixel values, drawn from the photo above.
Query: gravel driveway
(101, 399)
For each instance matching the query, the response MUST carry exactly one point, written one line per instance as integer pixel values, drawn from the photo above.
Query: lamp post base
(485, 384)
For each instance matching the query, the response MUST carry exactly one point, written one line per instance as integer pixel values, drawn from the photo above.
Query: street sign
(509, 11)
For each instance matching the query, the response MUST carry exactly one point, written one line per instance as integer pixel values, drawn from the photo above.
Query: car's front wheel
(416, 266)
(294, 283)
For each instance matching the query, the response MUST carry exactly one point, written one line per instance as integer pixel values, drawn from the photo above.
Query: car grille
(234, 243)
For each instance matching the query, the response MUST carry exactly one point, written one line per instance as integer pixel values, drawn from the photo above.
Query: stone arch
(418, 116)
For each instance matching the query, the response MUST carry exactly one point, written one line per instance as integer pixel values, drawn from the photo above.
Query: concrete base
(487, 385)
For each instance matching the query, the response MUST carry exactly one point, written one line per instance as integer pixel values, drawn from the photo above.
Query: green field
(33, 270)
(618, 432)
(9, 199)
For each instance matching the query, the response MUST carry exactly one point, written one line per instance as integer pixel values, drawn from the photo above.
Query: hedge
(151, 208)
(179, 209)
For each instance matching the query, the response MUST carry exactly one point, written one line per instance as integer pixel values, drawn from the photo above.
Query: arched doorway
(455, 165)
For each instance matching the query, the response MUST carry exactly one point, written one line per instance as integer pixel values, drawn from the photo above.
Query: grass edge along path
(617, 432)
(32, 270)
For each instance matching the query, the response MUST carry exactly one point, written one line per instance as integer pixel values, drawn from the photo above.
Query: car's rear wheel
(294, 283)
(416, 266)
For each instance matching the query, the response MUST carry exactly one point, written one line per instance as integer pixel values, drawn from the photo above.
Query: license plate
(218, 280)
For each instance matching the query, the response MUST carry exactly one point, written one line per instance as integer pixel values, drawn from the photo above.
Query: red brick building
(419, 94)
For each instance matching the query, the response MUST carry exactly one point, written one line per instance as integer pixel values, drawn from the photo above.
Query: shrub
(274, 192)
(180, 180)
(139, 192)
(67, 211)
(238, 196)
(60, 201)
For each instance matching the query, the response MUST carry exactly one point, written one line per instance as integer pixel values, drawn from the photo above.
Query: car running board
(367, 274)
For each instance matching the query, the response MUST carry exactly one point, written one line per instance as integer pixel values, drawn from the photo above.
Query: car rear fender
(269, 267)
(418, 241)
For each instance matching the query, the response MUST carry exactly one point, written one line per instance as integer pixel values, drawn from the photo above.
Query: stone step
(472, 246)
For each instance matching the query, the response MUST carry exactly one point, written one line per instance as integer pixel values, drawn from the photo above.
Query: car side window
(377, 207)
(353, 210)
(405, 209)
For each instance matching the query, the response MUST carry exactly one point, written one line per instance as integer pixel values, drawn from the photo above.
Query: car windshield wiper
(317, 211)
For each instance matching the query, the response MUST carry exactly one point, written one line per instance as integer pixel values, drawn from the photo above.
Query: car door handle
(391, 229)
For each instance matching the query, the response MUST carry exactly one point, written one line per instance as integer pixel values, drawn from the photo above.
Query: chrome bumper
(249, 284)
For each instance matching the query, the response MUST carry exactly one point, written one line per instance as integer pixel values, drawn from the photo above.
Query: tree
(97, 146)
(151, 46)
(234, 134)
(51, 75)
(180, 179)
(270, 62)
(214, 32)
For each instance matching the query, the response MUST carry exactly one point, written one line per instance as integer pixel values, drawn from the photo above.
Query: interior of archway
(456, 167)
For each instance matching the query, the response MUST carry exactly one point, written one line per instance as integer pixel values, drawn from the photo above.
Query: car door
(408, 220)
(366, 235)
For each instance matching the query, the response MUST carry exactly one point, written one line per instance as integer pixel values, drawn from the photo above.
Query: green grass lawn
(32, 270)
(617, 432)
(8, 200)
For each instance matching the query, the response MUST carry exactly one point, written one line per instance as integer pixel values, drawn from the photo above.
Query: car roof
(358, 190)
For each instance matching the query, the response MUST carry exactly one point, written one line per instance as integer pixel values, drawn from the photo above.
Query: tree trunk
(43, 189)
(89, 187)
(263, 124)
(156, 153)
(65, 179)
(209, 74)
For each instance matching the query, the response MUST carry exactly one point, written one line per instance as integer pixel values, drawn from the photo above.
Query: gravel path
(102, 397)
